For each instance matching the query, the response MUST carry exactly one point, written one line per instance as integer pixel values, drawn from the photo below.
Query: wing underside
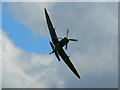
(51, 28)
(68, 62)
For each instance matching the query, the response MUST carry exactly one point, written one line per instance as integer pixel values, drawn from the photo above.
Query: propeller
(69, 39)
(73, 39)
(66, 46)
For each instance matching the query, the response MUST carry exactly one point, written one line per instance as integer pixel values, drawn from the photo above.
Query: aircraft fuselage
(60, 44)
(63, 42)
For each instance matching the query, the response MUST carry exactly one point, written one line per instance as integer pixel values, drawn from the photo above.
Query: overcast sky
(26, 62)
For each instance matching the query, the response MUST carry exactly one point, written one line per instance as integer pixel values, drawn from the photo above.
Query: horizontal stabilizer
(56, 53)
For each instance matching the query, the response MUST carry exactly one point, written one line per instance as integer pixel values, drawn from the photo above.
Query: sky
(25, 40)
(0, 46)
(60, 0)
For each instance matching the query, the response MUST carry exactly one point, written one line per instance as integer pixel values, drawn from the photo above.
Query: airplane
(57, 45)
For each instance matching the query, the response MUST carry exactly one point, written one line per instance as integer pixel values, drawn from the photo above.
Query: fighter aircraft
(57, 45)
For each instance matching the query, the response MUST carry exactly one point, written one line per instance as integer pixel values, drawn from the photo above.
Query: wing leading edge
(51, 28)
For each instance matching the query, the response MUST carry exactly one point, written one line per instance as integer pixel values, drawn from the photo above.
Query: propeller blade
(73, 39)
(67, 32)
(66, 46)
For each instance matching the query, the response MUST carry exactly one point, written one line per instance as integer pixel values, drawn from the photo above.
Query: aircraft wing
(51, 28)
(68, 62)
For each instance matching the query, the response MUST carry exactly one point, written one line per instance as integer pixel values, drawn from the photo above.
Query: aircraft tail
(56, 53)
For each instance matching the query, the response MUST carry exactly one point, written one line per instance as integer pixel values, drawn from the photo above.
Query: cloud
(31, 15)
(95, 55)
(21, 69)
(60, 1)
(28, 1)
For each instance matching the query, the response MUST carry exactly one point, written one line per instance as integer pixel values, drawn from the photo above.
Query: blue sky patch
(21, 35)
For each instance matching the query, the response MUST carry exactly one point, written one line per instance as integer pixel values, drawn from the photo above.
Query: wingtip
(45, 9)
(78, 77)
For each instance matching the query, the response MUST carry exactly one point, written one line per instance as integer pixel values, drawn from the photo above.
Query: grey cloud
(96, 54)
(61, 1)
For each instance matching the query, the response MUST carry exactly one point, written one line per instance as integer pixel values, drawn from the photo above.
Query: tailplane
(56, 53)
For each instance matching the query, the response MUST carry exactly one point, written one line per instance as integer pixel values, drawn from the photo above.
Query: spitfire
(57, 45)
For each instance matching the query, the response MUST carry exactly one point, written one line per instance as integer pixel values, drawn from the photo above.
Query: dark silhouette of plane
(57, 46)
